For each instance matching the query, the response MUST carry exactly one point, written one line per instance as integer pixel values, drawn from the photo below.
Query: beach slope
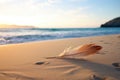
(27, 61)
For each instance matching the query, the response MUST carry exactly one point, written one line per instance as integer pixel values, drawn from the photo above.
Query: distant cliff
(112, 23)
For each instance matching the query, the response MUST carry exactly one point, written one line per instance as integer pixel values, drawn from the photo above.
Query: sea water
(20, 35)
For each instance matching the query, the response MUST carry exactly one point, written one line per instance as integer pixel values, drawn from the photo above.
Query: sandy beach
(18, 61)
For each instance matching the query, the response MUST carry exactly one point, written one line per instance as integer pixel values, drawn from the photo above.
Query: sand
(19, 61)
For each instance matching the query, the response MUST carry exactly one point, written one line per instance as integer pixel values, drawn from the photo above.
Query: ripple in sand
(72, 70)
(15, 76)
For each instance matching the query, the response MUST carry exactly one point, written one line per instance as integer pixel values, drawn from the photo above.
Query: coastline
(14, 36)
(18, 60)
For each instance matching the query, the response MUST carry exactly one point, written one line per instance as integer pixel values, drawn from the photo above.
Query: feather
(84, 50)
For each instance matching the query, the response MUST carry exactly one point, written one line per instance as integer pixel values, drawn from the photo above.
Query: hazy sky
(58, 13)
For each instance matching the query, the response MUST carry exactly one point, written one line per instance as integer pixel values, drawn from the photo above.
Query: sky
(58, 13)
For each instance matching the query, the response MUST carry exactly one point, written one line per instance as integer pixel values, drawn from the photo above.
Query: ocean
(22, 35)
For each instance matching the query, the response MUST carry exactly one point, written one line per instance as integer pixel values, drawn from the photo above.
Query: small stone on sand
(39, 63)
(116, 64)
(94, 77)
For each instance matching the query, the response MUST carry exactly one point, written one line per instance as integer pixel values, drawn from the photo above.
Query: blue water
(20, 35)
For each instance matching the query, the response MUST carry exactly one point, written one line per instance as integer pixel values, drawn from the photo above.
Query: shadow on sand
(101, 69)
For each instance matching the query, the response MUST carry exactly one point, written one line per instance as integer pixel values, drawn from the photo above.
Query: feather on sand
(80, 51)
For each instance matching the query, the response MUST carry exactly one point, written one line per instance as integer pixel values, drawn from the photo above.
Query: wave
(9, 36)
(24, 38)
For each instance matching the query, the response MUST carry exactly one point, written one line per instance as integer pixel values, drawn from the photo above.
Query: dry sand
(17, 61)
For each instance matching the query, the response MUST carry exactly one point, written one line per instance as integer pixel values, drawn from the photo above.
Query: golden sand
(18, 61)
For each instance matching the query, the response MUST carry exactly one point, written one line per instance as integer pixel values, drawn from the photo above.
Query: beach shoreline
(24, 35)
(17, 61)
(61, 39)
